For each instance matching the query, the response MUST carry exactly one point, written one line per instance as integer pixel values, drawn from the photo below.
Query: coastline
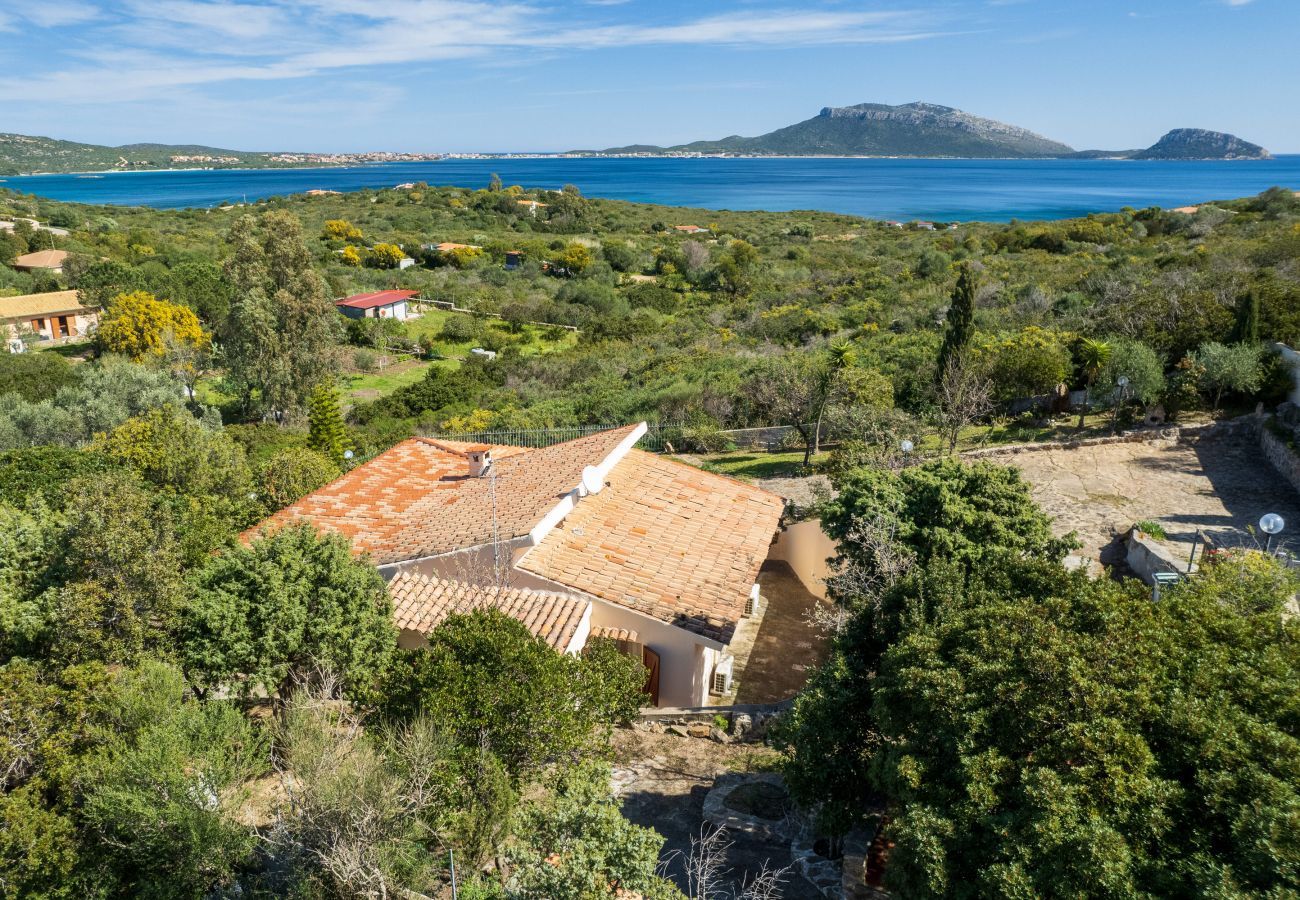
(637, 156)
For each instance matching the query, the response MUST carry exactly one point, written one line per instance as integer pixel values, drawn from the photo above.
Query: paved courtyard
(1217, 486)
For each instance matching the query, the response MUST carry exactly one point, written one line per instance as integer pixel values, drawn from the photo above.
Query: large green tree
(284, 609)
(280, 337)
(490, 683)
(960, 327)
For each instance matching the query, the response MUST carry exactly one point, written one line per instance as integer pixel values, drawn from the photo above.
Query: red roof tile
(421, 604)
(375, 298)
(665, 539)
(417, 499)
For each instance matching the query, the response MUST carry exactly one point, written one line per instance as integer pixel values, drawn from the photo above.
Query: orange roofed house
(585, 538)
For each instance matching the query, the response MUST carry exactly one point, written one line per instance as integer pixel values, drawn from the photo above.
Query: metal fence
(654, 440)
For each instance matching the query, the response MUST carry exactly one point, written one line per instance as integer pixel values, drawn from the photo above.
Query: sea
(944, 190)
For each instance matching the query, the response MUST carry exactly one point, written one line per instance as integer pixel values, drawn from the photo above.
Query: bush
(293, 473)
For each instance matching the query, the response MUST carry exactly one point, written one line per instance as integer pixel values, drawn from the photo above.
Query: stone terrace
(1219, 485)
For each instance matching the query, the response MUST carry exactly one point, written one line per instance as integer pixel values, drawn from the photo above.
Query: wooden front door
(651, 661)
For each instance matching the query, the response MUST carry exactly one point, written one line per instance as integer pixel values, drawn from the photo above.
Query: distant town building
(377, 305)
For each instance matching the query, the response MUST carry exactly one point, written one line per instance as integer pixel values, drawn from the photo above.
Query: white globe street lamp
(1271, 524)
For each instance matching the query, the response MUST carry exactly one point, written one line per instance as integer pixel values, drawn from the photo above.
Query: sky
(553, 75)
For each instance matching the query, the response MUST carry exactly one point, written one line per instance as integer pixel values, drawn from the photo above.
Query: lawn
(530, 340)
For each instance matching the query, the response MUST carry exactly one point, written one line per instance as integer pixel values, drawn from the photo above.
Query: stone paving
(1219, 487)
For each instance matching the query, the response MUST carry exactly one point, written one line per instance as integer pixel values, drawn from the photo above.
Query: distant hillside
(1196, 143)
(875, 129)
(25, 154)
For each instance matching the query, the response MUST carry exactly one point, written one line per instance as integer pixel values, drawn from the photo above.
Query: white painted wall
(807, 549)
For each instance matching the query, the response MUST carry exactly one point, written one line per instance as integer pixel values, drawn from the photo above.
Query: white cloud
(149, 47)
(58, 13)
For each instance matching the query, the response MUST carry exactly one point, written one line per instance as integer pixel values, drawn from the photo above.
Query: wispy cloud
(169, 44)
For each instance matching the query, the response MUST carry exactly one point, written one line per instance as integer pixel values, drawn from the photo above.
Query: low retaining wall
(1147, 558)
(1137, 436)
(1281, 457)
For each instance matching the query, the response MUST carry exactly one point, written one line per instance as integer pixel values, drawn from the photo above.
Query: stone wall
(1280, 456)
(1147, 558)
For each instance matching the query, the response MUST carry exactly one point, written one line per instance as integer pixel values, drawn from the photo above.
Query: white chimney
(480, 460)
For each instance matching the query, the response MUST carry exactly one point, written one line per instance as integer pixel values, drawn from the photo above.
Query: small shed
(376, 305)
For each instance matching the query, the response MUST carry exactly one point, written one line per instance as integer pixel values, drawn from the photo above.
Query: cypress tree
(961, 317)
(1245, 330)
(328, 435)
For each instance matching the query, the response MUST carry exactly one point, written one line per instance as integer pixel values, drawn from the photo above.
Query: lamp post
(1122, 383)
(1271, 524)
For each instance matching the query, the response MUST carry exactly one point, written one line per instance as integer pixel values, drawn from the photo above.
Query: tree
(574, 259)
(384, 256)
(328, 435)
(964, 397)
(282, 330)
(576, 845)
(1038, 733)
(34, 376)
(961, 318)
(1028, 363)
(1236, 368)
(140, 326)
(1142, 366)
(164, 796)
(283, 608)
(494, 182)
(292, 473)
(100, 282)
(341, 230)
(174, 451)
(362, 809)
(114, 582)
(201, 287)
(1093, 355)
(1245, 328)
(800, 390)
(489, 683)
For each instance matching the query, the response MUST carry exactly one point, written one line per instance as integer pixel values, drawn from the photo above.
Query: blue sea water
(940, 189)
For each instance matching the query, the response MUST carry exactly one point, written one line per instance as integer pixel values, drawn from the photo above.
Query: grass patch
(757, 464)
(1153, 529)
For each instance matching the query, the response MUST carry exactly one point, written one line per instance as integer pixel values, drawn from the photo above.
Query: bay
(904, 189)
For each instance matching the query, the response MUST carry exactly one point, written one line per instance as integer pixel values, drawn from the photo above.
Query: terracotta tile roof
(41, 259)
(50, 303)
(421, 604)
(665, 539)
(614, 634)
(416, 499)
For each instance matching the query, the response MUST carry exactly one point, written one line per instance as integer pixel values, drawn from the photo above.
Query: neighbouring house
(377, 305)
(405, 262)
(448, 246)
(48, 260)
(689, 229)
(320, 192)
(54, 316)
(532, 206)
(586, 538)
(514, 259)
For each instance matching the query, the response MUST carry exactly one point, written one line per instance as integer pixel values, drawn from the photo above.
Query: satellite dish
(592, 481)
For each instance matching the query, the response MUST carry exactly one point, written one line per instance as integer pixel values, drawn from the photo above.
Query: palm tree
(1093, 356)
(841, 356)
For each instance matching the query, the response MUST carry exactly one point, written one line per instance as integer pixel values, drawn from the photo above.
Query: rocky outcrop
(1197, 143)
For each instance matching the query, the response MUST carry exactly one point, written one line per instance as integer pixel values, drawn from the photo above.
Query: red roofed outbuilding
(376, 305)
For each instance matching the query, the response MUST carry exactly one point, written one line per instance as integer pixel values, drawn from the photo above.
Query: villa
(44, 260)
(54, 316)
(586, 538)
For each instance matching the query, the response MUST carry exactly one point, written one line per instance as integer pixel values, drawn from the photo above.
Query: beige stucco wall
(807, 549)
